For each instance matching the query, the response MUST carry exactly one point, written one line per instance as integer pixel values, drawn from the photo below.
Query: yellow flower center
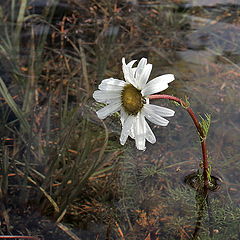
(132, 99)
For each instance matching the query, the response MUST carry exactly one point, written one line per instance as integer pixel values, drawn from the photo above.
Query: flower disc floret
(132, 100)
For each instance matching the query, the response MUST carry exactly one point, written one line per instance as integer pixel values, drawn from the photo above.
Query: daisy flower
(130, 97)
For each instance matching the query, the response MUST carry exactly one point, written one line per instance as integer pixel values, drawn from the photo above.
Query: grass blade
(12, 104)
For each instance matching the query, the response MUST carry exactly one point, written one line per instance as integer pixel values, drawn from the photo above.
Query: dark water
(197, 41)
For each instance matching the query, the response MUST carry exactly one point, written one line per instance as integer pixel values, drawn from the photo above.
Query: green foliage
(151, 171)
(175, 103)
(187, 103)
(226, 221)
(14, 107)
(224, 214)
(205, 123)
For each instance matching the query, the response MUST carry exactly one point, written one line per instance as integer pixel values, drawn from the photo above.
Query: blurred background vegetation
(63, 173)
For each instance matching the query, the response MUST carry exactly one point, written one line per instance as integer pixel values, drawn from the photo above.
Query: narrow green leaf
(12, 104)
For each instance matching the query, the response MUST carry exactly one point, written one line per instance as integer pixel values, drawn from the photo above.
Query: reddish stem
(199, 129)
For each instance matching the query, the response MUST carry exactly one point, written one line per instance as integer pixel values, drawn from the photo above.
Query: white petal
(149, 134)
(134, 71)
(131, 133)
(143, 78)
(128, 71)
(108, 87)
(113, 81)
(112, 84)
(124, 116)
(140, 67)
(130, 64)
(158, 84)
(127, 125)
(140, 132)
(154, 117)
(106, 96)
(161, 111)
(109, 109)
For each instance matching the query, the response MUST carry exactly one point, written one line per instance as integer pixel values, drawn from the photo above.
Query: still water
(64, 170)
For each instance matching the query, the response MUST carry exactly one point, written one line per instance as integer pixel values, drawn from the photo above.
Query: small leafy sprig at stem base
(202, 129)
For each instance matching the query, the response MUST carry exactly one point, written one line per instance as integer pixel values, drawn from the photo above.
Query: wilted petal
(158, 84)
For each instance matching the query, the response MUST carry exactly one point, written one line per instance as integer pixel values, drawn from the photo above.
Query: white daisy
(130, 97)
